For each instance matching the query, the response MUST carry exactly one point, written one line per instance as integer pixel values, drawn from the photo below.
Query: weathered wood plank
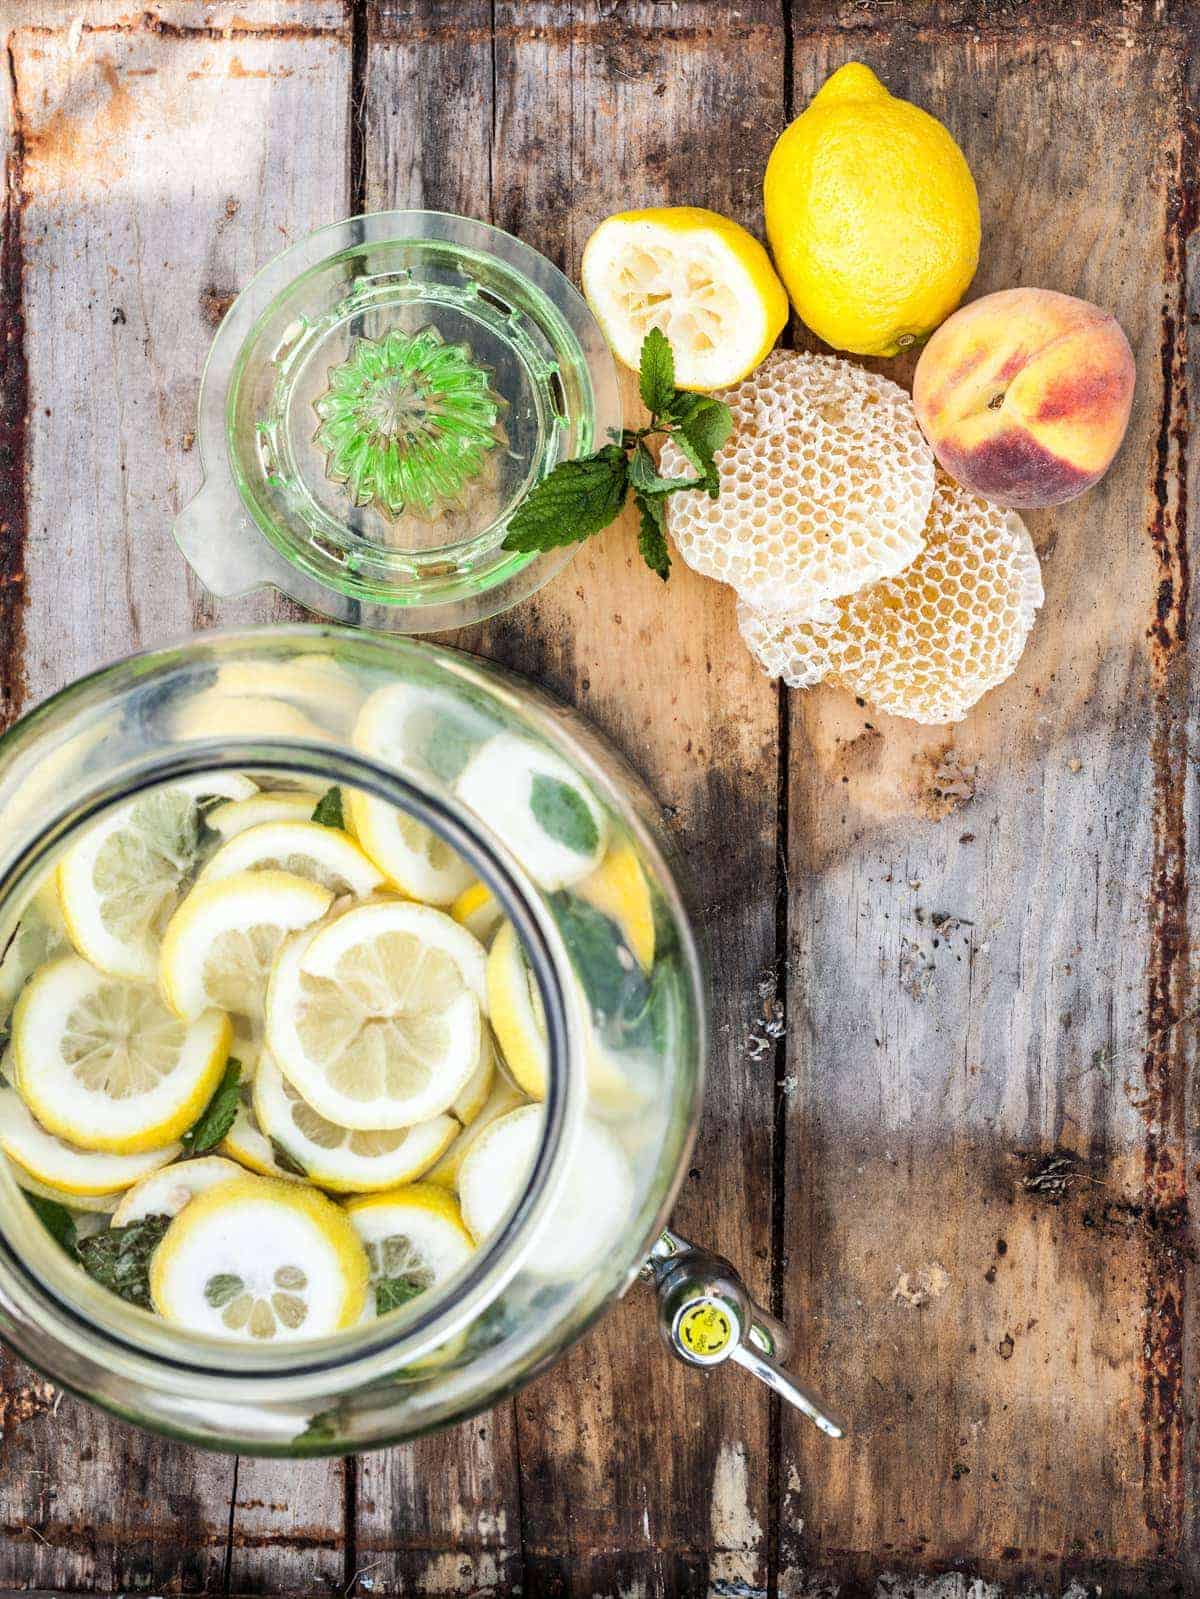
(621, 1451)
(593, 112)
(1012, 1364)
(158, 160)
(442, 1515)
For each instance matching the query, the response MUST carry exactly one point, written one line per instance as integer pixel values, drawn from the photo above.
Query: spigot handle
(707, 1316)
(786, 1386)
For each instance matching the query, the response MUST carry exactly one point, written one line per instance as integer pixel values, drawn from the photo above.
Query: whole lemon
(872, 215)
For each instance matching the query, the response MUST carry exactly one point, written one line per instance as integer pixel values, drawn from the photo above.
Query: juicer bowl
(377, 403)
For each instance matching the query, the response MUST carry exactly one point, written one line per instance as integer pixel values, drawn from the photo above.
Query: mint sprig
(580, 498)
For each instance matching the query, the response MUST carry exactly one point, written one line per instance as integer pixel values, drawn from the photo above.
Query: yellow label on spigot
(705, 1329)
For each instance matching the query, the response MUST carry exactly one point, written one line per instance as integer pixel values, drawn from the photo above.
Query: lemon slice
(317, 684)
(166, 1192)
(479, 911)
(323, 855)
(475, 1092)
(516, 1011)
(105, 1065)
(215, 714)
(375, 1019)
(63, 1166)
(538, 806)
(618, 887)
(700, 278)
(235, 816)
(249, 1146)
(410, 855)
(99, 1205)
(592, 1210)
(422, 730)
(221, 943)
(503, 1098)
(40, 934)
(414, 1238)
(340, 1158)
(120, 883)
(261, 1260)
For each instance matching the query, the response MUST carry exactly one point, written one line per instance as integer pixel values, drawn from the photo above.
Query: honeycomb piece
(928, 643)
(826, 481)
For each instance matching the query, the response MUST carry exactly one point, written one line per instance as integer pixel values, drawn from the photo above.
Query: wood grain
(155, 161)
(662, 1474)
(591, 112)
(987, 1147)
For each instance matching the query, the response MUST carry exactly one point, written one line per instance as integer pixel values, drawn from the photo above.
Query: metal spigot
(706, 1316)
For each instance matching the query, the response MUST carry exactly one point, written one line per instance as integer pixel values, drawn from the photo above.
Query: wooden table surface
(949, 1133)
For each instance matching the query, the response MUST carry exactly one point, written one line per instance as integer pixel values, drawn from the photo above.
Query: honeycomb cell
(826, 481)
(928, 643)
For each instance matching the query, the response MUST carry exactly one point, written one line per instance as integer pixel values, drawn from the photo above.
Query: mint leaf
(56, 1219)
(328, 809)
(215, 1120)
(562, 812)
(285, 1160)
(651, 539)
(644, 476)
(119, 1259)
(575, 501)
(700, 433)
(392, 1292)
(656, 378)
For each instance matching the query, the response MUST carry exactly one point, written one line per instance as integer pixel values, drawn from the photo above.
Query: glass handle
(227, 554)
(706, 1316)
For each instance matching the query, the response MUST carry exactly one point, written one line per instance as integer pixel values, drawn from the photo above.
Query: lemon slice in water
(537, 805)
(63, 1166)
(263, 1260)
(166, 1192)
(414, 1238)
(285, 805)
(592, 1210)
(105, 1065)
(375, 1019)
(40, 934)
(324, 855)
(221, 943)
(249, 1146)
(120, 883)
(340, 1158)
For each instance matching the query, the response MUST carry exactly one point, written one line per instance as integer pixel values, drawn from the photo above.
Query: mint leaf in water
(393, 1292)
(56, 1219)
(328, 809)
(119, 1259)
(656, 377)
(562, 812)
(215, 1120)
(575, 501)
(285, 1160)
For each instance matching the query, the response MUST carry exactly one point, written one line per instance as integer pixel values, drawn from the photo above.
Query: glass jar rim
(222, 1369)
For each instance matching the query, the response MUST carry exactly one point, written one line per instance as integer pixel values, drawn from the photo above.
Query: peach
(1024, 395)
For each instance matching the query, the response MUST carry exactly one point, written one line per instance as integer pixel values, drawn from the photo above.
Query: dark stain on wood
(1168, 974)
(14, 411)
